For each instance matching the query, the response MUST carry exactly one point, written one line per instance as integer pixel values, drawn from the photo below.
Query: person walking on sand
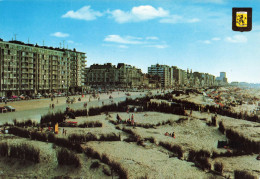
(173, 135)
(128, 121)
(65, 132)
(132, 122)
(117, 118)
(52, 106)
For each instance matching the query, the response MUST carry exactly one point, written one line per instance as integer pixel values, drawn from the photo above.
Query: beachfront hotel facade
(176, 77)
(108, 76)
(180, 76)
(222, 79)
(165, 72)
(32, 69)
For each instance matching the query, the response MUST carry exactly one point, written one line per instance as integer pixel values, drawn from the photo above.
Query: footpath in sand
(140, 162)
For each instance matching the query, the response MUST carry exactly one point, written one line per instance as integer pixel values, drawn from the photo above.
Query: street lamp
(62, 85)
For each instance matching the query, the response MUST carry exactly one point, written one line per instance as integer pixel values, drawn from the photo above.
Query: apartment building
(110, 76)
(28, 69)
(165, 72)
(222, 79)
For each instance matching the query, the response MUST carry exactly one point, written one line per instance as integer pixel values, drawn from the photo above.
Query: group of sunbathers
(170, 134)
(128, 121)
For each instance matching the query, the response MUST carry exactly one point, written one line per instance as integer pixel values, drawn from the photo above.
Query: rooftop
(38, 46)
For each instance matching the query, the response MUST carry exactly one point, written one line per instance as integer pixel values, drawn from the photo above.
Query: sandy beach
(144, 157)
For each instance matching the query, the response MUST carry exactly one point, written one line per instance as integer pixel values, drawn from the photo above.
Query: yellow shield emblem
(241, 19)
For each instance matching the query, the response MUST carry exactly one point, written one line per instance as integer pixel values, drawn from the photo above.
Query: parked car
(22, 97)
(32, 96)
(2, 99)
(3, 109)
(46, 95)
(10, 99)
(9, 108)
(15, 98)
(37, 97)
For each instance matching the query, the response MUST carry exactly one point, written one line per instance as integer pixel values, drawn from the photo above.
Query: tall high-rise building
(222, 77)
(28, 69)
(165, 72)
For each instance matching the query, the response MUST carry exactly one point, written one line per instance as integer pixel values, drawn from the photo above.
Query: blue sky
(194, 34)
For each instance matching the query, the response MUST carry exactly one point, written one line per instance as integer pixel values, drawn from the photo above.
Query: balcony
(30, 61)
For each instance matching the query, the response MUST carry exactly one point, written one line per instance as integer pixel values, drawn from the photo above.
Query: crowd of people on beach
(129, 121)
(73, 100)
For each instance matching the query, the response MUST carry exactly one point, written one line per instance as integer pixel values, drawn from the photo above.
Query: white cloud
(85, 13)
(193, 20)
(205, 41)
(131, 40)
(173, 19)
(152, 38)
(216, 38)
(60, 34)
(237, 39)
(208, 1)
(122, 40)
(148, 12)
(157, 46)
(139, 13)
(134, 38)
(136, 14)
(122, 46)
(117, 46)
(70, 41)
